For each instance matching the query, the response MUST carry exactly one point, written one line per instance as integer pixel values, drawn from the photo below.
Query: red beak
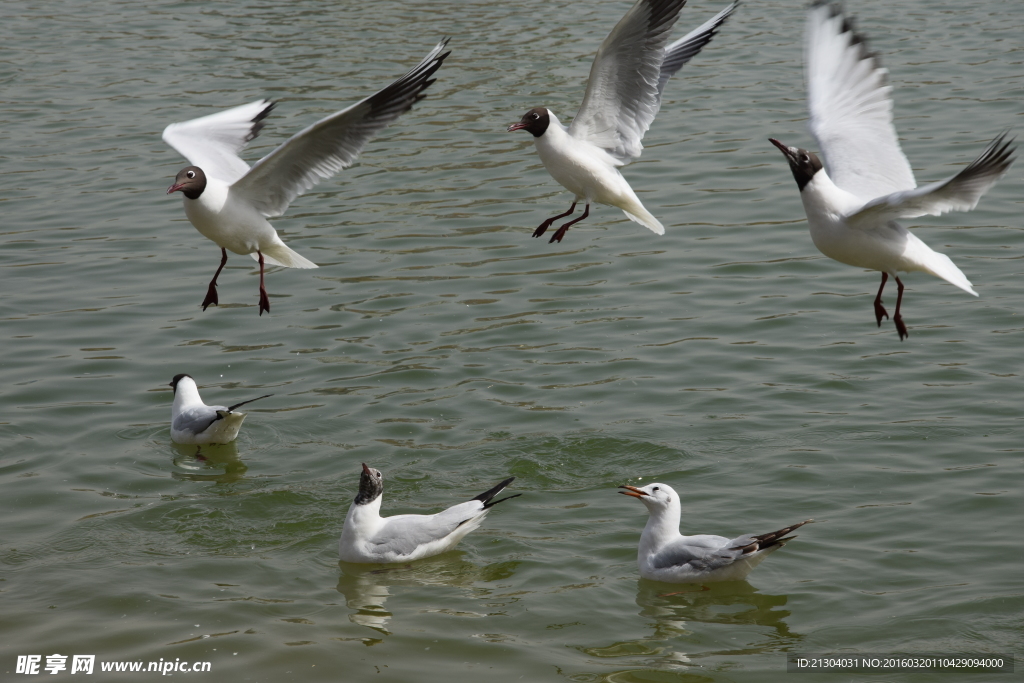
(518, 125)
(633, 491)
(175, 187)
(365, 468)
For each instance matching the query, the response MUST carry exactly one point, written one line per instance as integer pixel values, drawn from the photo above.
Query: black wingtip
(231, 408)
(501, 500)
(486, 496)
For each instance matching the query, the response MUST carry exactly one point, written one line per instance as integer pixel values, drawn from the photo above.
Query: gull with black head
(852, 209)
(666, 555)
(369, 538)
(194, 422)
(623, 96)
(229, 203)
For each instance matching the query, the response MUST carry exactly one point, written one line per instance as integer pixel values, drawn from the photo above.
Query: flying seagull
(852, 210)
(229, 203)
(623, 96)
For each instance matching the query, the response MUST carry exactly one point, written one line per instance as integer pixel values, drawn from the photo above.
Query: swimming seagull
(852, 209)
(368, 537)
(623, 96)
(229, 203)
(666, 555)
(194, 422)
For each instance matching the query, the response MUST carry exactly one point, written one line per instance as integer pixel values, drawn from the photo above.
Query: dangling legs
(897, 318)
(560, 233)
(211, 292)
(547, 224)
(264, 299)
(880, 311)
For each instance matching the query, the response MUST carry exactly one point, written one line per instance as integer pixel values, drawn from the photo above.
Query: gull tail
(231, 408)
(942, 266)
(487, 496)
(771, 540)
(280, 255)
(642, 216)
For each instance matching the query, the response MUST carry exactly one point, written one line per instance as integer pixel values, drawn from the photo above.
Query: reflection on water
(367, 587)
(675, 646)
(209, 462)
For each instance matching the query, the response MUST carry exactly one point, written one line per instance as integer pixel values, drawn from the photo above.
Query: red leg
(560, 233)
(264, 299)
(901, 329)
(547, 224)
(880, 311)
(211, 291)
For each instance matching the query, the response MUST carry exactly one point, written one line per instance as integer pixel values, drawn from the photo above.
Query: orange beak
(633, 491)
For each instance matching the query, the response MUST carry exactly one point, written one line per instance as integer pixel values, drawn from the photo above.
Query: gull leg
(547, 224)
(211, 291)
(880, 311)
(560, 233)
(901, 329)
(264, 299)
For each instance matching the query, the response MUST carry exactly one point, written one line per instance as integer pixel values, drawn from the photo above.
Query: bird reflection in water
(214, 462)
(683, 615)
(367, 587)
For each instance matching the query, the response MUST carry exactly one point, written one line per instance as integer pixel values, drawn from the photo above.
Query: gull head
(371, 485)
(654, 496)
(536, 121)
(178, 378)
(190, 180)
(804, 164)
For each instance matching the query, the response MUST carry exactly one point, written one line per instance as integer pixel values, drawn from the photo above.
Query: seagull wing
(197, 420)
(403, 535)
(702, 553)
(622, 94)
(850, 108)
(333, 143)
(213, 142)
(686, 48)
(960, 192)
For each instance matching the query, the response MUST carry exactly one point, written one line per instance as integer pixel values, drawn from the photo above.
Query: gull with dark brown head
(623, 96)
(194, 422)
(369, 538)
(229, 203)
(666, 555)
(852, 208)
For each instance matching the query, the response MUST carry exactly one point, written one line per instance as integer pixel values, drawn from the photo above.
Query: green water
(441, 344)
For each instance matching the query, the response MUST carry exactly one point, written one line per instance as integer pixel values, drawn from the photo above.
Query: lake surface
(441, 344)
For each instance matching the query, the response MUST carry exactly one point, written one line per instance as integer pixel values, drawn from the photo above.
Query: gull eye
(655, 488)
(191, 174)
(804, 158)
(534, 116)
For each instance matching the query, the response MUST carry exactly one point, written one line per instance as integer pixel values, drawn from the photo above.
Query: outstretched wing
(850, 108)
(960, 192)
(213, 142)
(622, 94)
(333, 143)
(689, 46)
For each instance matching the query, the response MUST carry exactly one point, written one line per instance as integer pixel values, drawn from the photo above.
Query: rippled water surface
(441, 344)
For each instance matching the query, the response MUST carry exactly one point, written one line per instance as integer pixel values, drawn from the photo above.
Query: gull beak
(632, 491)
(518, 125)
(366, 470)
(175, 187)
(788, 151)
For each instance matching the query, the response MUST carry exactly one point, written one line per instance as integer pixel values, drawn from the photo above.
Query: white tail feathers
(942, 266)
(644, 218)
(281, 255)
